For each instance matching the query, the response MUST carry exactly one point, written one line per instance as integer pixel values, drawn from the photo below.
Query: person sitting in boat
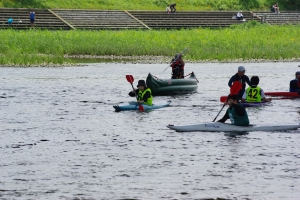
(143, 93)
(236, 112)
(295, 83)
(242, 78)
(177, 65)
(254, 93)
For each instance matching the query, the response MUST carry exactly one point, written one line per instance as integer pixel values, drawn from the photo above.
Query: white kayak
(224, 127)
(135, 106)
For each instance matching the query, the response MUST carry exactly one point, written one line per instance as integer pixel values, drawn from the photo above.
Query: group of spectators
(31, 17)
(239, 16)
(275, 8)
(171, 8)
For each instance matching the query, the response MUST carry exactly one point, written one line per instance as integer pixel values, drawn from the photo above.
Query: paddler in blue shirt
(295, 83)
(236, 112)
(242, 78)
(143, 93)
(254, 93)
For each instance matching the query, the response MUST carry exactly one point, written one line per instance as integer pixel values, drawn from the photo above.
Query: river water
(61, 138)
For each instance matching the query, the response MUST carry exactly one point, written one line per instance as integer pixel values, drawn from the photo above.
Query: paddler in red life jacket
(295, 84)
(144, 94)
(236, 112)
(177, 65)
(254, 93)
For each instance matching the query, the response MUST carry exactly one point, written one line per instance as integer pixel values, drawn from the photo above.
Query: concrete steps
(189, 19)
(280, 18)
(44, 19)
(64, 19)
(98, 19)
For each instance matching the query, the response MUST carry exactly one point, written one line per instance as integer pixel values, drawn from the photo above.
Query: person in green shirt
(236, 112)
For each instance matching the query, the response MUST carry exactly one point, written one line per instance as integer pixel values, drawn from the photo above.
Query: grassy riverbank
(152, 4)
(248, 41)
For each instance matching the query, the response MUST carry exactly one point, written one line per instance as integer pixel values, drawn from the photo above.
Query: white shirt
(239, 14)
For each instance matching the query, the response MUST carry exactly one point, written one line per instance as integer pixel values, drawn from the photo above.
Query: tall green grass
(152, 4)
(247, 41)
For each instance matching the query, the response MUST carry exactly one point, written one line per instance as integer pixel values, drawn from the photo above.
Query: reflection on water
(61, 139)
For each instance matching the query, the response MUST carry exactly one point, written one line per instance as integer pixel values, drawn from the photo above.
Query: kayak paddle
(235, 88)
(130, 79)
(176, 58)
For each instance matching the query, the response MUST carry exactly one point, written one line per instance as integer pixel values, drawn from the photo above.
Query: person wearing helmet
(254, 93)
(177, 65)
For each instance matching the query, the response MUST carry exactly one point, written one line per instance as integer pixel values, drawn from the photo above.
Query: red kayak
(283, 94)
(286, 95)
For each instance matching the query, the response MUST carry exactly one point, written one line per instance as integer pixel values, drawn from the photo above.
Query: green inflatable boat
(172, 86)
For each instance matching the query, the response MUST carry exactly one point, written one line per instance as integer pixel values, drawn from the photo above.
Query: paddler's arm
(225, 117)
(132, 93)
(248, 81)
(244, 97)
(263, 96)
(231, 81)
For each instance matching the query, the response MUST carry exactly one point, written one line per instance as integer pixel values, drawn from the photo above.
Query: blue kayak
(135, 106)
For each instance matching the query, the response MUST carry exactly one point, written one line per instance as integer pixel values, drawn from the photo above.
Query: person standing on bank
(177, 65)
(236, 112)
(32, 18)
(242, 78)
(143, 93)
(295, 83)
(254, 93)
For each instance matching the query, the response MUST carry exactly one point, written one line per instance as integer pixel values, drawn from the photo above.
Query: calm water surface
(61, 139)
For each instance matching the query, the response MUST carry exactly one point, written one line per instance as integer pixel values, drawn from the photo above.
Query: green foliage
(247, 25)
(245, 41)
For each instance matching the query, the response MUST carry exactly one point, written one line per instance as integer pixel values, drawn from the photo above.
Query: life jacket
(177, 70)
(237, 119)
(140, 96)
(253, 94)
(177, 64)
